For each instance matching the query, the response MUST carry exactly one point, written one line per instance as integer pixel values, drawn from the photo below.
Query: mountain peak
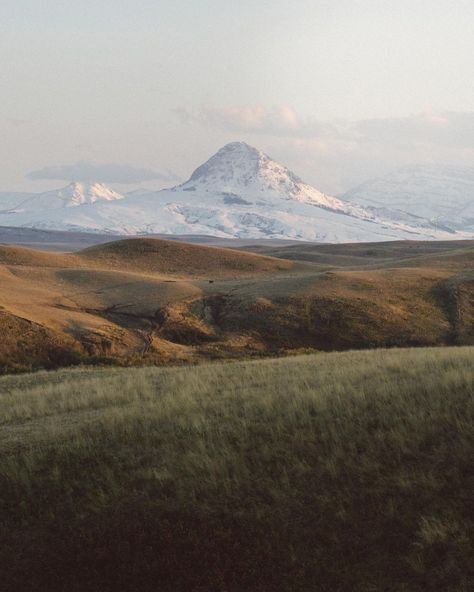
(239, 146)
(77, 193)
(244, 170)
(73, 195)
(240, 171)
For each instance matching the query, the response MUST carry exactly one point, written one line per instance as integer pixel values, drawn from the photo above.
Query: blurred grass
(349, 471)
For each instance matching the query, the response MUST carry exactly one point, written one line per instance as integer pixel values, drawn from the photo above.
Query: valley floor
(330, 472)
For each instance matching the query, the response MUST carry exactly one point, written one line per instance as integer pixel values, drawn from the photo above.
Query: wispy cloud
(275, 121)
(105, 173)
(283, 121)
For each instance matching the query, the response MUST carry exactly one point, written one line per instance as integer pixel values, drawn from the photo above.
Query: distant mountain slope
(238, 193)
(9, 201)
(75, 194)
(426, 195)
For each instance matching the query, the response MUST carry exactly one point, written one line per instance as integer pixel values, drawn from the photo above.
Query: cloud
(447, 128)
(105, 173)
(280, 121)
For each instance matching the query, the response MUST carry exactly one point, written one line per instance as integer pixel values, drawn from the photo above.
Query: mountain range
(424, 195)
(240, 192)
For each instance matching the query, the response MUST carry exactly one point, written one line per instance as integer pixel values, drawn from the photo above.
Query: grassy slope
(180, 259)
(100, 303)
(155, 256)
(356, 254)
(153, 301)
(337, 472)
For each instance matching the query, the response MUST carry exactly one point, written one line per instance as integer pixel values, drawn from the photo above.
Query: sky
(142, 92)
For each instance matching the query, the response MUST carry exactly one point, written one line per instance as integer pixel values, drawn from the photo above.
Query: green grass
(331, 472)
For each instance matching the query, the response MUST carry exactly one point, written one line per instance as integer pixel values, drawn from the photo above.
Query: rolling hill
(149, 255)
(141, 301)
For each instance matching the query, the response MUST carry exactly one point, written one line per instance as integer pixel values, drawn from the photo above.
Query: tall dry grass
(350, 471)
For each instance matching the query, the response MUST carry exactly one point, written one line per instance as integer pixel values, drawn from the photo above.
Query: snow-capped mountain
(75, 194)
(425, 195)
(9, 201)
(241, 170)
(239, 192)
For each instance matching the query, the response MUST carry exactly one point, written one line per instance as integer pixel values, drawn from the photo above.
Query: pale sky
(339, 90)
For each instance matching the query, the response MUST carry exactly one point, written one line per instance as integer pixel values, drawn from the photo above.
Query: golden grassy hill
(368, 254)
(23, 256)
(154, 256)
(181, 259)
(150, 300)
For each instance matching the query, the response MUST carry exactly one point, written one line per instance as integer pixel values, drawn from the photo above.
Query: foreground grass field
(332, 472)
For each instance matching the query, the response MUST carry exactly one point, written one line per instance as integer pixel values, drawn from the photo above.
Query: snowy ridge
(75, 194)
(239, 192)
(440, 197)
(78, 194)
(9, 201)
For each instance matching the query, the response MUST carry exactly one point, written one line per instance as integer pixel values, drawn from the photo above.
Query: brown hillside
(155, 301)
(180, 259)
(26, 345)
(373, 254)
(12, 255)
(154, 256)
